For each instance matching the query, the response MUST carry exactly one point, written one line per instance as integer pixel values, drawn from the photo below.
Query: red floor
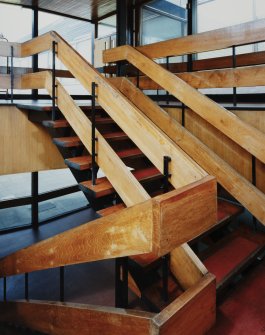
(243, 311)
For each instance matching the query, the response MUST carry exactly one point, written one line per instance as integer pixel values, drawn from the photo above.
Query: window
(9, 14)
(163, 20)
(78, 34)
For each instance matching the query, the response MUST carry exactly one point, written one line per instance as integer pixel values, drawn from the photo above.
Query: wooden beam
(36, 45)
(249, 196)
(248, 59)
(126, 233)
(193, 313)
(183, 169)
(226, 78)
(178, 222)
(56, 318)
(158, 225)
(246, 136)
(127, 186)
(236, 35)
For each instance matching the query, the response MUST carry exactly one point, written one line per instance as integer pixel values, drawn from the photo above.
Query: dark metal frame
(34, 199)
(94, 167)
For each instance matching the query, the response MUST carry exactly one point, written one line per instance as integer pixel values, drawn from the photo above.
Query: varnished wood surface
(226, 175)
(116, 235)
(24, 145)
(240, 34)
(106, 94)
(15, 241)
(151, 226)
(67, 318)
(225, 78)
(193, 313)
(246, 136)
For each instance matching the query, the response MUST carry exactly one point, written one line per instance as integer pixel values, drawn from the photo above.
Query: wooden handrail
(226, 78)
(158, 225)
(241, 34)
(184, 171)
(57, 318)
(245, 135)
(240, 188)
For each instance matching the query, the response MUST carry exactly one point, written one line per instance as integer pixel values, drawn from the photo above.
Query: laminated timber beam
(248, 59)
(193, 313)
(247, 194)
(246, 136)
(158, 225)
(225, 78)
(115, 104)
(241, 34)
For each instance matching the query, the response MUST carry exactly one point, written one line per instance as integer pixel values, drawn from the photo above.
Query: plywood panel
(232, 153)
(71, 319)
(25, 146)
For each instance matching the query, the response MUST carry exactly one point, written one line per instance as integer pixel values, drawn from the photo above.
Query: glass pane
(14, 186)
(15, 217)
(107, 26)
(10, 31)
(163, 20)
(61, 205)
(54, 179)
(77, 33)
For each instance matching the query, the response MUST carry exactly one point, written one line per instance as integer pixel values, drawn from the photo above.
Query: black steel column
(94, 167)
(121, 282)
(12, 74)
(62, 283)
(26, 286)
(35, 58)
(54, 86)
(124, 29)
(191, 26)
(4, 287)
(35, 203)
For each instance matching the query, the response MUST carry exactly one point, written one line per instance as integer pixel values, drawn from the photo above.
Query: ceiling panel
(86, 9)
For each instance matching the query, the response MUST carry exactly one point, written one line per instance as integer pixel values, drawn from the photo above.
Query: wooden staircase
(147, 211)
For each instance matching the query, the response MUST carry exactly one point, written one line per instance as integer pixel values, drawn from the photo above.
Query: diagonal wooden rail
(158, 225)
(67, 318)
(245, 135)
(248, 76)
(183, 169)
(240, 188)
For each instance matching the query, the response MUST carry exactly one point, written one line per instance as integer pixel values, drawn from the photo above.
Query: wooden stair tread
(79, 163)
(67, 142)
(133, 152)
(227, 210)
(115, 136)
(56, 124)
(110, 210)
(230, 256)
(62, 123)
(103, 186)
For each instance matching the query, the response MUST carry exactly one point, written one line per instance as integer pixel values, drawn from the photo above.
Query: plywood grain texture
(56, 318)
(246, 136)
(25, 146)
(249, 32)
(185, 213)
(193, 314)
(225, 78)
(252, 198)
